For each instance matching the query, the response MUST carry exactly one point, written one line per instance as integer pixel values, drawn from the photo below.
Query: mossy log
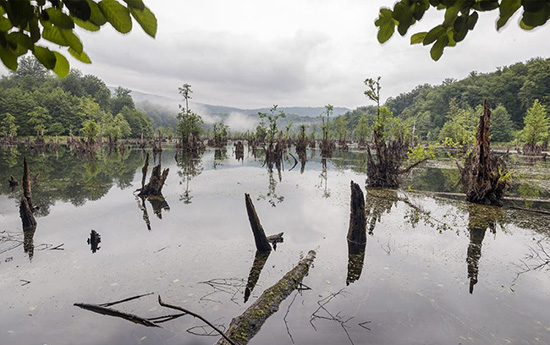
(248, 324)
(262, 243)
(484, 176)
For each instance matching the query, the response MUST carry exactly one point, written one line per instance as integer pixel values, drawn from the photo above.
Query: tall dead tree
(484, 176)
(262, 244)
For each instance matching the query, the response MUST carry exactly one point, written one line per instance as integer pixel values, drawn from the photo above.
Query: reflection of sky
(418, 293)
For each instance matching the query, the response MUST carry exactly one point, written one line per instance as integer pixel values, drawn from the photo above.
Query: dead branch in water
(262, 244)
(249, 323)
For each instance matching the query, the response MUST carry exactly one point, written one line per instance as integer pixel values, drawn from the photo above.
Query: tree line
(34, 102)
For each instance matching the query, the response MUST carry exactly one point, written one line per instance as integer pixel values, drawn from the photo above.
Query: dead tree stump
(262, 244)
(484, 177)
(156, 182)
(357, 232)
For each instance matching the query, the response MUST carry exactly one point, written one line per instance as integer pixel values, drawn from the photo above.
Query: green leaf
(386, 24)
(525, 26)
(451, 13)
(8, 58)
(96, 16)
(437, 49)
(23, 43)
(86, 25)
(135, 4)
(538, 18)
(72, 39)
(59, 18)
(403, 14)
(82, 56)
(117, 15)
(486, 5)
(5, 24)
(45, 56)
(78, 8)
(146, 19)
(472, 20)
(34, 29)
(418, 37)
(61, 65)
(53, 34)
(507, 10)
(434, 34)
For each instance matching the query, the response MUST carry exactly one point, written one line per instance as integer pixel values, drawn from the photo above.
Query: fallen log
(262, 244)
(248, 324)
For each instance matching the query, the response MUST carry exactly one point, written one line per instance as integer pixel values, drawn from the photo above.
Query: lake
(436, 269)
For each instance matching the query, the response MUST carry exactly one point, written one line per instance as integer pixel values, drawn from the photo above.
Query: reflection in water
(28, 241)
(357, 234)
(220, 154)
(272, 197)
(324, 179)
(379, 201)
(191, 166)
(480, 219)
(259, 263)
(94, 241)
(356, 259)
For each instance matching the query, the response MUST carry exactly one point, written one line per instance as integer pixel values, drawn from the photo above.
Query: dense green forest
(34, 102)
(435, 112)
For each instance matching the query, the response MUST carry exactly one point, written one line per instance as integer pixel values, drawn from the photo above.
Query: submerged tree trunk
(484, 177)
(384, 171)
(156, 182)
(249, 323)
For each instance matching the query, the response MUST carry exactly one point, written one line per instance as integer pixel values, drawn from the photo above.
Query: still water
(435, 270)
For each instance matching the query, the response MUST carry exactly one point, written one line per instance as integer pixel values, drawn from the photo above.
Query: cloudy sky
(250, 53)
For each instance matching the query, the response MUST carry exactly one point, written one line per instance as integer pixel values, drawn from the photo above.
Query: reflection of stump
(356, 258)
(474, 254)
(29, 226)
(259, 263)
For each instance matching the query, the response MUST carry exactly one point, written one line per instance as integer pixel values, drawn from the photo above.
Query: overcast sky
(250, 53)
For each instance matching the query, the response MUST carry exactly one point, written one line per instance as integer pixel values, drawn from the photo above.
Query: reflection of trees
(190, 167)
(324, 179)
(272, 197)
(220, 154)
(65, 177)
(378, 201)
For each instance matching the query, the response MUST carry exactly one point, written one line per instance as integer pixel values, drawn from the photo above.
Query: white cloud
(290, 52)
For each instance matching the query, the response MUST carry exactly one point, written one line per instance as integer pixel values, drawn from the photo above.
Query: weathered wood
(262, 244)
(483, 174)
(357, 232)
(13, 182)
(112, 312)
(156, 182)
(27, 217)
(248, 324)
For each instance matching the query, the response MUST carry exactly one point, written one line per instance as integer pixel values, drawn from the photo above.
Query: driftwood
(249, 323)
(262, 244)
(357, 234)
(484, 176)
(274, 239)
